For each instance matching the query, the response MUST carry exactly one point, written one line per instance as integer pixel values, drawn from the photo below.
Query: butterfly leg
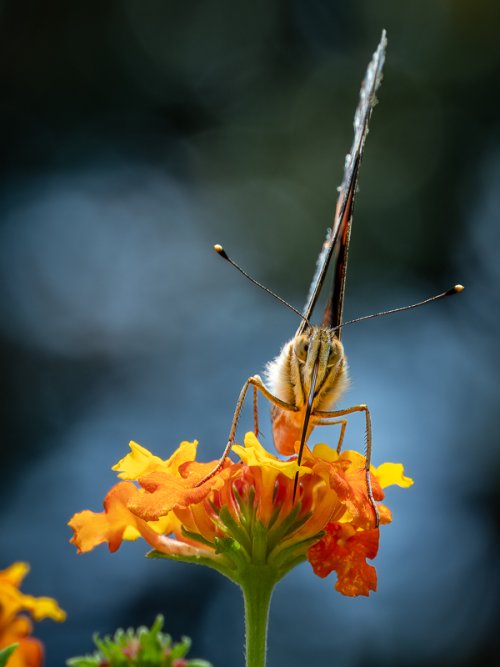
(255, 412)
(258, 385)
(327, 422)
(368, 430)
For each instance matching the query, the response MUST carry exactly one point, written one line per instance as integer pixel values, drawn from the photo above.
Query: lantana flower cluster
(246, 515)
(16, 612)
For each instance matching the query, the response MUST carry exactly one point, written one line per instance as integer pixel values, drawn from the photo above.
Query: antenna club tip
(456, 289)
(220, 250)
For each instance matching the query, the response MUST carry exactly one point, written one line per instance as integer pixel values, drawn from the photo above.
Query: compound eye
(301, 347)
(334, 356)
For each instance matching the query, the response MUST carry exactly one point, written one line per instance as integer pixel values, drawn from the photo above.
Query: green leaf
(6, 652)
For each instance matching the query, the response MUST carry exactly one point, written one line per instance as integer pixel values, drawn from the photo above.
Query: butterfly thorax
(315, 354)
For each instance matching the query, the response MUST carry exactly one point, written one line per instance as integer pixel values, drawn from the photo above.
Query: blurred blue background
(134, 136)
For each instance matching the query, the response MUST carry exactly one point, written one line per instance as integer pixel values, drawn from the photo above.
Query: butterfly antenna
(456, 289)
(220, 251)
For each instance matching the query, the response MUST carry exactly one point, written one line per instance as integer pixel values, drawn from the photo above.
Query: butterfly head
(318, 356)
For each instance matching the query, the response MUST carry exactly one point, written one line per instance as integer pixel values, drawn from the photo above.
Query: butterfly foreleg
(368, 445)
(327, 422)
(258, 385)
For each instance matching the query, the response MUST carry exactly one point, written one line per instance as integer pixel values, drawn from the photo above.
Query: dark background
(136, 134)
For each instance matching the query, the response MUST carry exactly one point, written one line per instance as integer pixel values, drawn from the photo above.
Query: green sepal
(216, 563)
(237, 531)
(289, 525)
(287, 557)
(197, 538)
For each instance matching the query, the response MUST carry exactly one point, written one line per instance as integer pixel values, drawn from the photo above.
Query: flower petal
(348, 478)
(13, 601)
(253, 454)
(166, 491)
(322, 451)
(115, 524)
(345, 550)
(140, 461)
(43, 607)
(392, 473)
(14, 574)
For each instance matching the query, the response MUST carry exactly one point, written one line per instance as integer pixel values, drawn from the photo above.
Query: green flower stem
(255, 557)
(257, 584)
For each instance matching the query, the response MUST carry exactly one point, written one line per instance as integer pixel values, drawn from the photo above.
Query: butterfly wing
(290, 427)
(337, 241)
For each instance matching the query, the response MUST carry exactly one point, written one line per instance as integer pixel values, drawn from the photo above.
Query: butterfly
(310, 374)
(311, 371)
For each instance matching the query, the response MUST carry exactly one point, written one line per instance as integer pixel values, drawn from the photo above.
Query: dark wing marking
(337, 241)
